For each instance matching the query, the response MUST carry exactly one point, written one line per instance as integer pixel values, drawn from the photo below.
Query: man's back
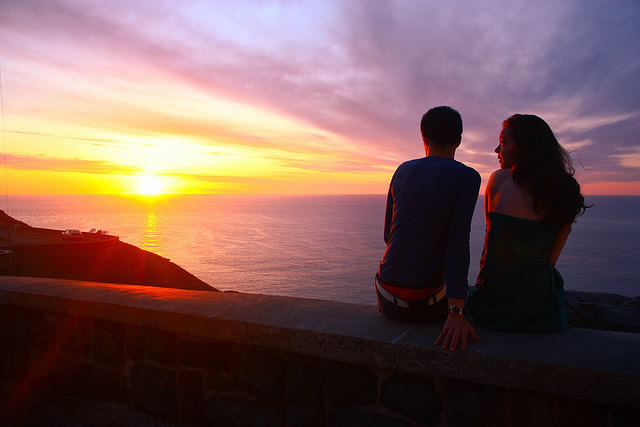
(429, 209)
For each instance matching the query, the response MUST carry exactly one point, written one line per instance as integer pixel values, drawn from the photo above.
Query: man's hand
(456, 328)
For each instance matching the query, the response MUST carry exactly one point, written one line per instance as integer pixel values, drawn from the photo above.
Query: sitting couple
(530, 204)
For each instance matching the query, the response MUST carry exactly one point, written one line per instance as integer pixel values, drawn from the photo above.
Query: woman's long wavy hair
(544, 169)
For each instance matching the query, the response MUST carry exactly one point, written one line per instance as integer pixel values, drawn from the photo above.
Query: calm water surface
(324, 247)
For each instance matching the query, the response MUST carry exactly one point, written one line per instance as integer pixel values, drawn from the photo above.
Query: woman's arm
(493, 191)
(559, 242)
(488, 195)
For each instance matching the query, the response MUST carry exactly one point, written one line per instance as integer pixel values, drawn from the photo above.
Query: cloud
(336, 166)
(101, 142)
(52, 164)
(630, 159)
(363, 71)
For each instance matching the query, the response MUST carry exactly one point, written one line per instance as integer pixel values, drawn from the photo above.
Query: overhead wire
(6, 177)
(4, 145)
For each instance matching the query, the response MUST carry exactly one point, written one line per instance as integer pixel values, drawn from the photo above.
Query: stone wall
(174, 356)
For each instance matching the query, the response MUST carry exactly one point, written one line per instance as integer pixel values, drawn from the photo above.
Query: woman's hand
(456, 328)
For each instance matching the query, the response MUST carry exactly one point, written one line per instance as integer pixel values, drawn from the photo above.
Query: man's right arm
(388, 216)
(457, 251)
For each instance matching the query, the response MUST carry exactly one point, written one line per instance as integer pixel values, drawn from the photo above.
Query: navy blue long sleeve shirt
(427, 223)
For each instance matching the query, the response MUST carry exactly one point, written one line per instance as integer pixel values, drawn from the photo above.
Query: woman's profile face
(506, 149)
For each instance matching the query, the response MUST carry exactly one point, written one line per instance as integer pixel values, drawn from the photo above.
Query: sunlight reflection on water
(150, 236)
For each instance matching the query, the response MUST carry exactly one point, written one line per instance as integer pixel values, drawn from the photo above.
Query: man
(423, 273)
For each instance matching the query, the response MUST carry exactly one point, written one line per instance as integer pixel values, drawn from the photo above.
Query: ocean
(323, 247)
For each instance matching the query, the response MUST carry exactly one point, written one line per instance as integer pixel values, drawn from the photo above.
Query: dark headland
(39, 252)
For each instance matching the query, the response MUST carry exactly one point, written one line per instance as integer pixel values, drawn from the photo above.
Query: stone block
(55, 409)
(304, 415)
(350, 385)
(353, 417)
(60, 374)
(305, 383)
(18, 361)
(44, 328)
(134, 339)
(412, 397)
(190, 387)
(76, 339)
(5, 356)
(231, 412)
(22, 321)
(54, 333)
(4, 311)
(108, 348)
(88, 379)
(114, 328)
(161, 347)
(43, 336)
(259, 372)
(5, 322)
(154, 389)
(203, 353)
(529, 409)
(568, 411)
(220, 381)
(6, 341)
(472, 404)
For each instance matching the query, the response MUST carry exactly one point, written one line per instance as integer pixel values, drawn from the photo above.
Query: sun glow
(150, 185)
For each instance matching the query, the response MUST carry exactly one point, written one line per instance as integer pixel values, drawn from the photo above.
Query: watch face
(455, 310)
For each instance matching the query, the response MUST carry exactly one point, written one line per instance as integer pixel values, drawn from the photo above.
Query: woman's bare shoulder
(498, 178)
(508, 198)
(500, 175)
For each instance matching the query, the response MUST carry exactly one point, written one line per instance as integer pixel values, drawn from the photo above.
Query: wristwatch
(455, 310)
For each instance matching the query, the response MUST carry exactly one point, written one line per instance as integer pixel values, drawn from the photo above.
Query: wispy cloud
(630, 159)
(103, 142)
(52, 164)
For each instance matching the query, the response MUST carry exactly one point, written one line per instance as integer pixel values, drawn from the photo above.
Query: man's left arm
(457, 328)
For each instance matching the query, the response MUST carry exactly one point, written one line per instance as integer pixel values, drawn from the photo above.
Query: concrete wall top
(594, 365)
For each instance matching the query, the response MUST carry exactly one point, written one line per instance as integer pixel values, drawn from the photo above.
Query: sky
(304, 97)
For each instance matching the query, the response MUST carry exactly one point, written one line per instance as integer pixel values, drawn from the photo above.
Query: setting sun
(150, 185)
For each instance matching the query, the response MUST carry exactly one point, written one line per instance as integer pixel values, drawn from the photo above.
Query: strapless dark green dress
(518, 289)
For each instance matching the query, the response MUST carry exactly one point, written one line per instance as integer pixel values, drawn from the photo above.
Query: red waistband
(410, 295)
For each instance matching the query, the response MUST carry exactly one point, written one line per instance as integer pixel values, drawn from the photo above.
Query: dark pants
(417, 312)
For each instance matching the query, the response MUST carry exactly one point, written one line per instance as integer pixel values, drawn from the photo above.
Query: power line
(4, 145)
(6, 179)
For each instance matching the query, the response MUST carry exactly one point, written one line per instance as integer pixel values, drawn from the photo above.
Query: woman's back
(504, 196)
(517, 243)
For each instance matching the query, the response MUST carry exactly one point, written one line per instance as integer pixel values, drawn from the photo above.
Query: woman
(530, 204)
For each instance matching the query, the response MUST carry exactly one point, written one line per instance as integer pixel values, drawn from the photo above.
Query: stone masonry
(230, 374)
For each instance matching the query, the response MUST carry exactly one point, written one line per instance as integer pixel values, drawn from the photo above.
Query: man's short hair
(442, 126)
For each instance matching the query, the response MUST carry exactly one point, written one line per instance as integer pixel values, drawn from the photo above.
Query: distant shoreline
(41, 252)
